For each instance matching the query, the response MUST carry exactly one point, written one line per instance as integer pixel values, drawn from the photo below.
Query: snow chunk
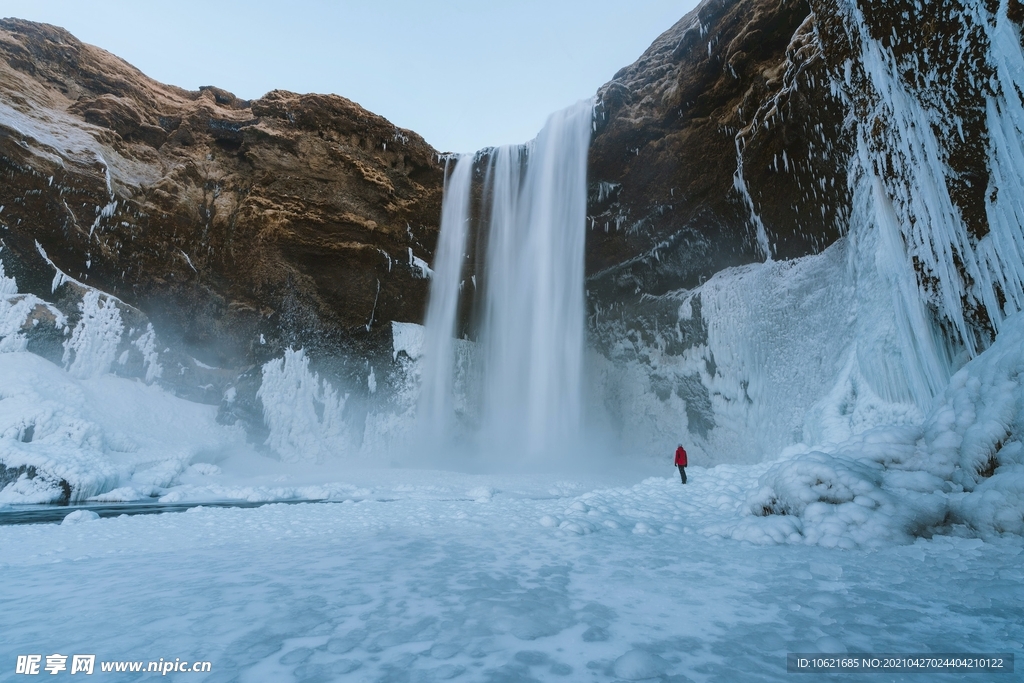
(636, 665)
(407, 337)
(79, 516)
(125, 494)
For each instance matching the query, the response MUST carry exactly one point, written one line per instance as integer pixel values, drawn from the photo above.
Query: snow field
(424, 589)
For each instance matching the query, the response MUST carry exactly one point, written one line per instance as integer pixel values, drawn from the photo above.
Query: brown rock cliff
(288, 219)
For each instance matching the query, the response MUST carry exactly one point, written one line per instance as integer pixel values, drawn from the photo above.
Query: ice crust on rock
(407, 338)
(92, 348)
(303, 413)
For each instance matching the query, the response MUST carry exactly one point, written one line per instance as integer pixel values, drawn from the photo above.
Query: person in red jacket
(681, 462)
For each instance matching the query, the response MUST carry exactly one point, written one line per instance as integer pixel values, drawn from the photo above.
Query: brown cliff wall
(731, 83)
(291, 216)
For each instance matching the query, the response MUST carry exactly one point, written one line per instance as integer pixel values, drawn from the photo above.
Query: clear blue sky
(464, 74)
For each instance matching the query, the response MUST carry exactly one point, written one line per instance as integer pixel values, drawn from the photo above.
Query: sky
(464, 74)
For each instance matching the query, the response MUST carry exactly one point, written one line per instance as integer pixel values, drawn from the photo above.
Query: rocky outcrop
(730, 139)
(710, 152)
(237, 228)
(754, 133)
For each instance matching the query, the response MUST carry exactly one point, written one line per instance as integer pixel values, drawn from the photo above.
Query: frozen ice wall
(303, 413)
(917, 111)
(74, 430)
(868, 333)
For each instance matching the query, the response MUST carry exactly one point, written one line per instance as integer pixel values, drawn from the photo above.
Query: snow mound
(66, 439)
(79, 516)
(636, 665)
(964, 467)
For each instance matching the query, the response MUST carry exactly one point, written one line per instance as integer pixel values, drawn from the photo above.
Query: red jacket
(680, 457)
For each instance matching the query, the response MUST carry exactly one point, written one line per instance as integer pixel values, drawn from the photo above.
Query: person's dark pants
(682, 472)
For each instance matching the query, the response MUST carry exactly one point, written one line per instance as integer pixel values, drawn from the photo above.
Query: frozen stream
(510, 580)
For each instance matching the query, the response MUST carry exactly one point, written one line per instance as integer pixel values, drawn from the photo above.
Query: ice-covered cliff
(868, 201)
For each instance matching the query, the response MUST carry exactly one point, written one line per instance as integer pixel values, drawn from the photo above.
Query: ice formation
(92, 348)
(74, 432)
(843, 369)
(64, 438)
(302, 411)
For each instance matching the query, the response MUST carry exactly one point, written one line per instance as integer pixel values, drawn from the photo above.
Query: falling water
(531, 338)
(436, 412)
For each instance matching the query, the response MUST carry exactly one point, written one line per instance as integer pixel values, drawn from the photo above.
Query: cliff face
(711, 149)
(731, 139)
(880, 139)
(238, 228)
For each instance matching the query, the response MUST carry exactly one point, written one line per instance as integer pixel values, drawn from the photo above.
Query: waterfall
(436, 411)
(530, 307)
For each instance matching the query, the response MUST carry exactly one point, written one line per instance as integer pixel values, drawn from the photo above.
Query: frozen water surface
(543, 583)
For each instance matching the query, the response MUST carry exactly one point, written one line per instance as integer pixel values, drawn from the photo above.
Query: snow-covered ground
(900, 538)
(602, 573)
(888, 530)
(529, 581)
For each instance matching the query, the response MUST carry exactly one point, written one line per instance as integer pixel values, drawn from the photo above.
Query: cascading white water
(436, 410)
(531, 337)
(533, 286)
